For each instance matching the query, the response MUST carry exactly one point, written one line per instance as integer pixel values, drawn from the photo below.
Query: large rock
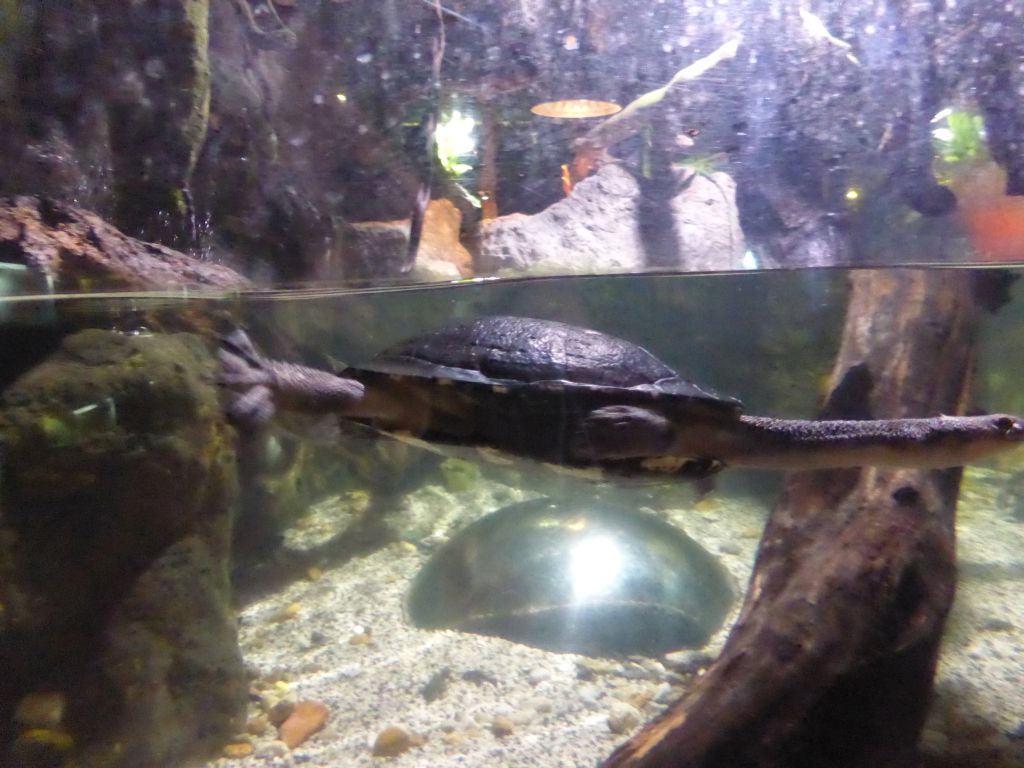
(378, 249)
(608, 224)
(118, 481)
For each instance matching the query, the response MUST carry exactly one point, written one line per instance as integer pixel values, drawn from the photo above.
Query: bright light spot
(455, 139)
(749, 260)
(342, 97)
(571, 43)
(852, 194)
(942, 114)
(594, 567)
(943, 134)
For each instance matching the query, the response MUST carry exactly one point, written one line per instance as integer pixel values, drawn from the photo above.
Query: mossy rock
(117, 487)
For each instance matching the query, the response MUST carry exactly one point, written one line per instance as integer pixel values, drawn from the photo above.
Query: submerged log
(832, 659)
(72, 249)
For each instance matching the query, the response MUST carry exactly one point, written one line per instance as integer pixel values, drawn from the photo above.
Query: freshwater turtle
(577, 397)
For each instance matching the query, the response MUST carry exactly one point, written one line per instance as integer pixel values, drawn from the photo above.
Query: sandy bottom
(466, 700)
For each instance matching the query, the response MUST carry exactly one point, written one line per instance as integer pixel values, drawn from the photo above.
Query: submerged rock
(306, 718)
(117, 483)
(578, 576)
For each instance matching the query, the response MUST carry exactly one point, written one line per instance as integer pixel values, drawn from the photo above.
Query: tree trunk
(832, 658)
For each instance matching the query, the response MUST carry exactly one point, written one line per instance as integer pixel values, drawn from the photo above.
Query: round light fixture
(575, 109)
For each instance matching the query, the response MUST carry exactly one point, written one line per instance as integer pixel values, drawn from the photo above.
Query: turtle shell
(517, 352)
(523, 386)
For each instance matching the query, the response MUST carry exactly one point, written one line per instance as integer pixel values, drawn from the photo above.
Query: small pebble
(639, 698)
(688, 662)
(437, 685)
(666, 694)
(258, 725)
(288, 613)
(502, 725)
(393, 741)
(237, 749)
(707, 505)
(273, 749)
(521, 716)
(478, 677)
(590, 695)
(589, 669)
(540, 704)
(307, 718)
(316, 637)
(648, 669)
(538, 676)
(280, 712)
(453, 738)
(623, 718)
(361, 635)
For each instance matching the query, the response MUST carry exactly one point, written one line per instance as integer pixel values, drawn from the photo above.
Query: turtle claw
(262, 386)
(243, 370)
(252, 408)
(240, 364)
(622, 432)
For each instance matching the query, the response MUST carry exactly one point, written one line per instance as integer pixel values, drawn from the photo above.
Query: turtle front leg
(622, 432)
(261, 387)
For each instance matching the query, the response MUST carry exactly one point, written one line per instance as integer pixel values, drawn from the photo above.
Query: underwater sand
(562, 709)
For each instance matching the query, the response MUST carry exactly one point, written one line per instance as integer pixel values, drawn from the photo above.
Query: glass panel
(371, 378)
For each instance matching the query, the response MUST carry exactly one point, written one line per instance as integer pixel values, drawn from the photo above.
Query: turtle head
(975, 437)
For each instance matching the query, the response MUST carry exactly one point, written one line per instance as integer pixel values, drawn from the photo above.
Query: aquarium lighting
(455, 139)
(595, 565)
(342, 97)
(575, 109)
(852, 194)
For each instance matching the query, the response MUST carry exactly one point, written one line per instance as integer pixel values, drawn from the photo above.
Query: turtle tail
(246, 373)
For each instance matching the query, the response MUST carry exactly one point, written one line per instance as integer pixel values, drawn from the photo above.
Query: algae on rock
(118, 487)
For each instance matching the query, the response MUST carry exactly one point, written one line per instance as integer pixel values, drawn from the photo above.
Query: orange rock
(440, 239)
(307, 718)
